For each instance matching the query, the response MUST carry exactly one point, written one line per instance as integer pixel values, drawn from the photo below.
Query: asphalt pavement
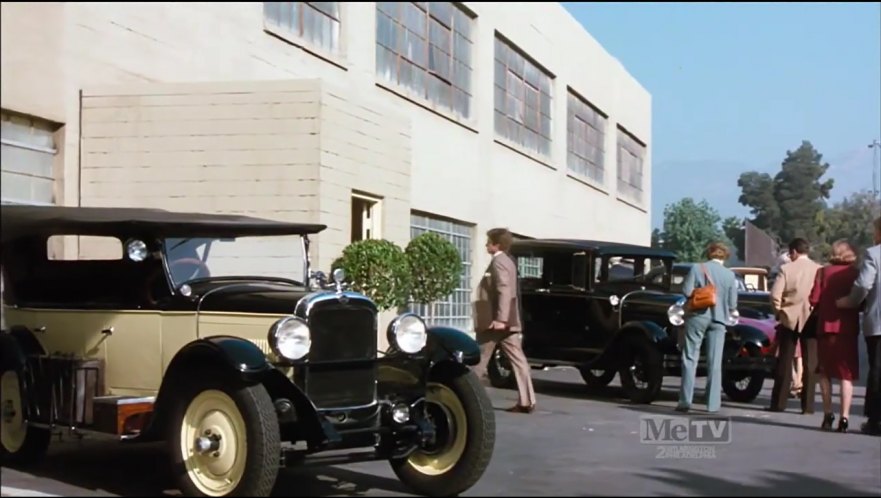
(579, 442)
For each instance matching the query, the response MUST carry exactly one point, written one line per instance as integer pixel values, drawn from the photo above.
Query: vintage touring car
(608, 308)
(212, 333)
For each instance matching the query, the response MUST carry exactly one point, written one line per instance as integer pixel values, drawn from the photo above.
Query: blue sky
(734, 86)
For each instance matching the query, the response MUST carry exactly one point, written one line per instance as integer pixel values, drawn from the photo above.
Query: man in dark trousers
(789, 297)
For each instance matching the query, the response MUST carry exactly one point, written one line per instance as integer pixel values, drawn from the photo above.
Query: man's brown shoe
(521, 409)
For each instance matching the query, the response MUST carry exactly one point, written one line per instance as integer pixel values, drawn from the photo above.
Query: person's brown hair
(717, 250)
(878, 224)
(501, 237)
(843, 253)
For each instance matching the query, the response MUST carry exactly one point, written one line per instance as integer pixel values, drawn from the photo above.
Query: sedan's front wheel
(464, 422)
(225, 440)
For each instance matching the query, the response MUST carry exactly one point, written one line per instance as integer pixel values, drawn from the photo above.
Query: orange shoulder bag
(703, 297)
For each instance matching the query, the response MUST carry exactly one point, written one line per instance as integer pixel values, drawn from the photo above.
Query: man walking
(789, 298)
(867, 290)
(497, 320)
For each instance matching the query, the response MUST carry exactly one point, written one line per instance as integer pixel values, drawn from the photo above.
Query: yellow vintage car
(212, 333)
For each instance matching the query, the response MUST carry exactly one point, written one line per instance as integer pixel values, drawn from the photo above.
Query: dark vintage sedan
(608, 308)
(211, 333)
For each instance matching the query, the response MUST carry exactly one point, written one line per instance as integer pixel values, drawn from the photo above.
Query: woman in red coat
(837, 331)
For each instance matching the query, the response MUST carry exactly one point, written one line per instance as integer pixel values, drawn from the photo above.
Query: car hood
(246, 296)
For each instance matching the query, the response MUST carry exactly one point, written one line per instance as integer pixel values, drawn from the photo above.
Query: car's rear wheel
(597, 378)
(741, 386)
(465, 428)
(642, 372)
(499, 370)
(19, 443)
(224, 439)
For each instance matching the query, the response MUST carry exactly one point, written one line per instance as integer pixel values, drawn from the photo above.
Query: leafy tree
(689, 226)
(757, 192)
(734, 231)
(657, 239)
(435, 268)
(850, 219)
(379, 270)
(791, 204)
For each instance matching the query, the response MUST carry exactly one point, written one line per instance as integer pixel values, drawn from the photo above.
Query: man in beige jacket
(497, 320)
(789, 297)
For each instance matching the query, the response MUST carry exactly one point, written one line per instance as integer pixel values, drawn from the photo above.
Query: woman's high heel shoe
(842, 424)
(827, 422)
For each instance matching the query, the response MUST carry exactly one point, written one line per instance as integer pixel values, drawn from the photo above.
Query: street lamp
(875, 145)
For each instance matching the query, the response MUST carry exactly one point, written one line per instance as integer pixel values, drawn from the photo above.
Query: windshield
(200, 258)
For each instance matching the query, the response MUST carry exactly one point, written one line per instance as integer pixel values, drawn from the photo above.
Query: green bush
(435, 268)
(379, 270)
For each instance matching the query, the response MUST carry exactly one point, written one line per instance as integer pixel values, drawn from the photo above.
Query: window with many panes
(522, 99)
(527, 267)
(317, 23)
(631, 153)
(586, 135)
(425, 49)
(455, 309)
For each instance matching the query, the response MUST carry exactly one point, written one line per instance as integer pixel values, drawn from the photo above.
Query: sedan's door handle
(107, 331)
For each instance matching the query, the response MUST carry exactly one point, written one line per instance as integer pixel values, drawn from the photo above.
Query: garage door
(28, 151)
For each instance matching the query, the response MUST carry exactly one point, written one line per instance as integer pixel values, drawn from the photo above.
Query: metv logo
(655, 429)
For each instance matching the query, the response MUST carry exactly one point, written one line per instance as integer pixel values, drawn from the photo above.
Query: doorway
(366, 217)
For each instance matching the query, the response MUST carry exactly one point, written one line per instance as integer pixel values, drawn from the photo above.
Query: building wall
(460, 169)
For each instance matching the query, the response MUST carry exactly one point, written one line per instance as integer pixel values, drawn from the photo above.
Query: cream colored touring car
(203, 331)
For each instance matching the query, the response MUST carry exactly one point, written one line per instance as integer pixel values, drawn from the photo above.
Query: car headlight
(734, 318)
(408, 333)
(290, 338)
(676, 313)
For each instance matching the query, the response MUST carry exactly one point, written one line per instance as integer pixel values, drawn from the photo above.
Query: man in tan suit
(789, 297)
(497, 320)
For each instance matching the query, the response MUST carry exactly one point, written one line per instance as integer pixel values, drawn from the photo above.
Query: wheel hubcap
(214, 443)
(448, 416)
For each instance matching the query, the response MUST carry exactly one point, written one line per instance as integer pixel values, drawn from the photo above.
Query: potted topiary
(379, 270)
(435, 269)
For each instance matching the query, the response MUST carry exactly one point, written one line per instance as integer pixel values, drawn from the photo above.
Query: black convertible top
(26, 221)
(596, 246)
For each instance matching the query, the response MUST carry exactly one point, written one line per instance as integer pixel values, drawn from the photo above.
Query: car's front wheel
(224, 439)
(19, 443)
(744, 387)
(597, 378)
(462, 414)
(642, 372)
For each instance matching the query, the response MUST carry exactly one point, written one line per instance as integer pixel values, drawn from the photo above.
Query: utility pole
(876, 146)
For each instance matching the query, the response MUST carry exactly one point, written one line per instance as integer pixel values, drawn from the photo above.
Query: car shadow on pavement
(773, 483)
(143, 470)
(578, 390)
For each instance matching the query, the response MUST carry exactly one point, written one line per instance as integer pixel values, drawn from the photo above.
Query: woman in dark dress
(837, 331)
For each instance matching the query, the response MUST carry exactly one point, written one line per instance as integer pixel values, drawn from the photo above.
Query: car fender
(747, 334)
(235, 356)
(651, 331)
(16, 345)
(446, 343)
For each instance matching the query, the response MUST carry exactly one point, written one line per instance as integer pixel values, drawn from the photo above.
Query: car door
(555, 309)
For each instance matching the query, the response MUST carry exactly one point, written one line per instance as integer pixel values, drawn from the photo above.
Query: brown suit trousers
(498, 300)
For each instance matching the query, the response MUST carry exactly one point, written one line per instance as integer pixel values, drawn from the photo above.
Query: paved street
(577, 443)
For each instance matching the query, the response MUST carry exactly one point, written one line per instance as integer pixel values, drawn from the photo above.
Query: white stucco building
(377, 119)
